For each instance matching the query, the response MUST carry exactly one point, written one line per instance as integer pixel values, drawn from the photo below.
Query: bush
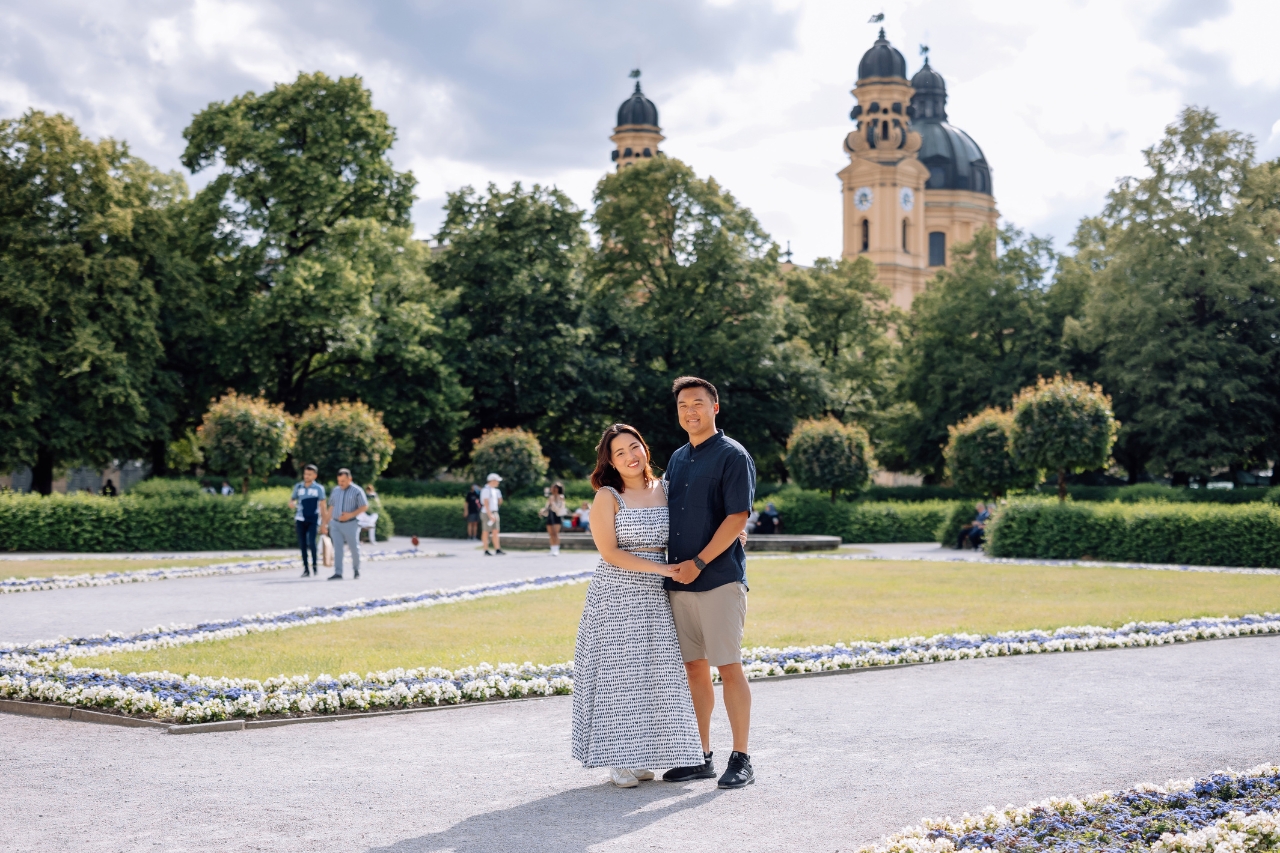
(162, 488)
(442, 517)
(812, 513)
(962, 513)
(978, 457)
(343, 435)
(1154, 492)
(132, 523)
(829, 456)
(245, 436)
(514, 454)
(1197, 534)
(1062, 425)
(911, 494)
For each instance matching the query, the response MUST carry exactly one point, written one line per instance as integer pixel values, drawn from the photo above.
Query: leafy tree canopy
(246, 436)
(78, 309)
(980, 331)
(343, 435)
(686, 282)
(830, 456)
(978, 455)
(512, 261)
(512, 454)
(1184, 316)
(1062, 425)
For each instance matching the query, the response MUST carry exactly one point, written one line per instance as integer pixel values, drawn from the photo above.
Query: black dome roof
(954, 160)
(928, 80)
(882, 60)
(637, 109)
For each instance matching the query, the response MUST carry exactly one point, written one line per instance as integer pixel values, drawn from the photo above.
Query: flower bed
(45, 671)
(9, 585)
(1223, 813)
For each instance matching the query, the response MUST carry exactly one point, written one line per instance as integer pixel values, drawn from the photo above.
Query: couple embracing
(670, 588)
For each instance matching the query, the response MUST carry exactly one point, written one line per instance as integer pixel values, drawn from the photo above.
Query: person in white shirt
(490, 500)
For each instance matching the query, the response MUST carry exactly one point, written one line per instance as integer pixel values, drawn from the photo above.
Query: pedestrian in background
(346, 502)
(305, 501)
(471, 512)
(583, 517)
(554, 512)
(108, 489)
(227, 491)
(490, 501)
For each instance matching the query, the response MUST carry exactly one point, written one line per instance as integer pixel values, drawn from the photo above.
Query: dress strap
(617, 497)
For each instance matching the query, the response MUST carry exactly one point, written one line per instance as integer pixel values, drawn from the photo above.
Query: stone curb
(83, 715)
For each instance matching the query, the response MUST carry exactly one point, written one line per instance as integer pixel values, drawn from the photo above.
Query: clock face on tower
(862, 198)
(907, 198)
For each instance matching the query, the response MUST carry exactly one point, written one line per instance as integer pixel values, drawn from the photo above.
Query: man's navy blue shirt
(704, 485)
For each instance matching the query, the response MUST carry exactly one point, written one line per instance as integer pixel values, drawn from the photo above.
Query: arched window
(866, 234)
(937, 248)
(904, 236)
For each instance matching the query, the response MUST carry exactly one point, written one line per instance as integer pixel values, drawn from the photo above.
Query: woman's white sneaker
(642, 775)
(623, 778)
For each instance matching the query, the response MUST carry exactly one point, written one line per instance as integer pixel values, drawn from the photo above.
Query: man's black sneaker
(335, 577)
(356, 576)
(499, 551)
(705, 770)
(488, 553)
(739, 773)
(306, 573)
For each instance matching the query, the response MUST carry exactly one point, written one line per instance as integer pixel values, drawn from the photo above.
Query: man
(770, 521)
(305, 500)
(345, 505)
(711, 485)
(490, 500)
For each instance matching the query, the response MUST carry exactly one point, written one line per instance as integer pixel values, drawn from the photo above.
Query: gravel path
(841, 760)
(31, 616)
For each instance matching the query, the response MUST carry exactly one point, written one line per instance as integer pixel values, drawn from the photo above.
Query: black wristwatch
(697, 561)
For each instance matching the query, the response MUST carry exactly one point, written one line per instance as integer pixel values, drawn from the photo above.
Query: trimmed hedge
(1153, 492)
(90, 523)
(579, 490)
(1155, 532)
(813, 513)
(442, 517)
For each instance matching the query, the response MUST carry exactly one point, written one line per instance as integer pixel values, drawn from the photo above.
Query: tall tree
(1184, 317)
(845, 316)
(978, 333)
(313, 244)
(685, 281)
(78, 312)
(512, 260)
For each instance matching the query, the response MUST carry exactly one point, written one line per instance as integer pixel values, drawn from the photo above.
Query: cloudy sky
(1062, 95)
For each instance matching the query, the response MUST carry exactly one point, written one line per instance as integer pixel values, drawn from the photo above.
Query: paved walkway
(841, 761)
(45, 615)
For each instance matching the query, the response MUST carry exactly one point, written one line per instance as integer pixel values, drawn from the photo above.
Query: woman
(631, 704)
(553, 512)
(471, 512)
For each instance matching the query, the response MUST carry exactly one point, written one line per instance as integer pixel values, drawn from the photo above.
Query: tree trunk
(833, 495)
(1062, 484)
(244, 486)
(159, 453)
(42, 472)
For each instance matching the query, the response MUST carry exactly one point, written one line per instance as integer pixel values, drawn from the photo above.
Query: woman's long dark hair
(607, 475)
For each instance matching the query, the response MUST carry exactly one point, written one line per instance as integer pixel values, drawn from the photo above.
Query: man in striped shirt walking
(346, 502)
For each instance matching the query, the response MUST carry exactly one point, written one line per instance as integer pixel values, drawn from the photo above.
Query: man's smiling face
(697, 412)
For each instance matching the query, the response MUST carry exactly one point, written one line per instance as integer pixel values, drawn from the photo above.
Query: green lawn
(792, 602)
(49, 568)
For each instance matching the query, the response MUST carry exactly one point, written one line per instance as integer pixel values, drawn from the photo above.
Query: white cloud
(1062, 95)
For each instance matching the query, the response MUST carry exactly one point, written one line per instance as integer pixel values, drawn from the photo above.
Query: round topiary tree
(1061, 425)
(343, 435)
(978, 457)
(245, 437)
(829, 456)
(513, 454)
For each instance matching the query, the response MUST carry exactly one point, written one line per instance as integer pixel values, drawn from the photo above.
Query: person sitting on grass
(974, 531)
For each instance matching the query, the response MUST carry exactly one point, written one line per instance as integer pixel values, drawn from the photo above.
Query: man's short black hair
(694, 382)
(342, 471)
(311, 468)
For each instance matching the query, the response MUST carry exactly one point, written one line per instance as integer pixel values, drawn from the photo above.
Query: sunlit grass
(49, 568)
(792, 602)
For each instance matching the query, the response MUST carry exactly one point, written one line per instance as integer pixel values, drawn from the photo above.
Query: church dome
(954, 160)
(882, 60)
(637, 110)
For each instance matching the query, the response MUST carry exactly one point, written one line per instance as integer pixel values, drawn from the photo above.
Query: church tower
(637, 133)
(915, 186)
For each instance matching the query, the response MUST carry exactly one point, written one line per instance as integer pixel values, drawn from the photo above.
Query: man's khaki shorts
(709, 624)
(494, 525)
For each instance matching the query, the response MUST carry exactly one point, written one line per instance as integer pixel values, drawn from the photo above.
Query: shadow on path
(567, 822)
